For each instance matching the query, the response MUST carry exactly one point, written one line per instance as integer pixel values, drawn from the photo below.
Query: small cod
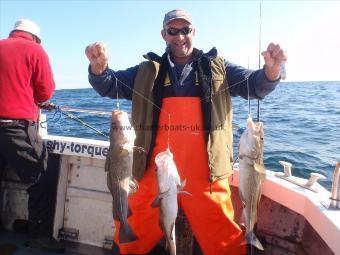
(118, 165)
(169, 185)
(252, 174)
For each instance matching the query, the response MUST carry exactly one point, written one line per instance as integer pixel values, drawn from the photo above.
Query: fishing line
(226, 88)
(137, 93)
(202, 99)
(53, 118)
(60, 111)
(146, 99)
(249, 109)
(169, 133)
(260, 33)
(82, 110)
(210, 97)
(117, 96)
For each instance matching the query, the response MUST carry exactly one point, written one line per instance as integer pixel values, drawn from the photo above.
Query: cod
(169, 185)
(118, 165)
(252, 174)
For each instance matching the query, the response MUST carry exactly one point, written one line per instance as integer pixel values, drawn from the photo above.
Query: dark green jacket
(216, 109)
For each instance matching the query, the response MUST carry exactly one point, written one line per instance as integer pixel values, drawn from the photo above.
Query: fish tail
(252, 240)
(126, 234)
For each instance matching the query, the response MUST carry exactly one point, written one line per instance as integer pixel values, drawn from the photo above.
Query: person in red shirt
(26, 80)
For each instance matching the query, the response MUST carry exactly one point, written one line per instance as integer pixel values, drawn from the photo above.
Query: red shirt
(25, 77)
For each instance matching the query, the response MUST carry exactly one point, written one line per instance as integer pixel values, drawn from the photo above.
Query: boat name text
(78, 149)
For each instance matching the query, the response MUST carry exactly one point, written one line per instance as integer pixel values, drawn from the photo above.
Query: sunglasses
(175, 31)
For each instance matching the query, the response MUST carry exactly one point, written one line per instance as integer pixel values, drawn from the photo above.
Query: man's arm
(42, 78)
(104, 80)
(105, 84)
(260, 82)
(259, 85)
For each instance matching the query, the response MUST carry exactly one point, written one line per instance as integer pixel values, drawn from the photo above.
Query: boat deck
(19, 239)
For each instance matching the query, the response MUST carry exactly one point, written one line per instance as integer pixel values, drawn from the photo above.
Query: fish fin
(108, 182)
(160, 224)
(128, 146)
(181, 186)
(139, 149)
(133, 186)
(155, 203)
(115, 215)
(242, 197)
(183, 192)
(253, 241)
(172, 231)
(259, 168)
(242, 219)
(126, 234)
(129, 212)
(124, 151)
(243, 204)
(107, 163)
(262, 173)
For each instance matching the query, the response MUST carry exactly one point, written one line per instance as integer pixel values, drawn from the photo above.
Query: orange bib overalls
(210, 215)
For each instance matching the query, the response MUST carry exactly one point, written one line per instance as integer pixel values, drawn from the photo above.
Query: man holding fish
(181, 102)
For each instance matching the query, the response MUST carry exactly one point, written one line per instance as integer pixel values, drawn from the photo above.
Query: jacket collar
(199, 53)
(20, 34)
(196, 55)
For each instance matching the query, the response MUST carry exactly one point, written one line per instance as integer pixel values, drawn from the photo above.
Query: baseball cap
(176, 14)
(28, 26)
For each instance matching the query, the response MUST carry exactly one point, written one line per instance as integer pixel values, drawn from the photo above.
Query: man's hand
(98, 56)
(274, 57)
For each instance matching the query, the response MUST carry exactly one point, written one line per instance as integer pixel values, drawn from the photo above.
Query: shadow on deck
(19, 240)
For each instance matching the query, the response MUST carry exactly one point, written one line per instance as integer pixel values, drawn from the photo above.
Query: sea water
(301, 123)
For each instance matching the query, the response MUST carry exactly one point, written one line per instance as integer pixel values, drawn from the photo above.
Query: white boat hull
(290, 218)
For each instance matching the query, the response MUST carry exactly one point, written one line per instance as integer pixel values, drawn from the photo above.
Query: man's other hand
(98, 56)
(274, 57)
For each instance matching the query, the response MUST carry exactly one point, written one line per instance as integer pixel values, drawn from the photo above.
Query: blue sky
(307, 30)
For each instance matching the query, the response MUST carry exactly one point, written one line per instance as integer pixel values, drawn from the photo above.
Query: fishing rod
(282, 66)
(65, 111)
(51, 106)
(259, 56)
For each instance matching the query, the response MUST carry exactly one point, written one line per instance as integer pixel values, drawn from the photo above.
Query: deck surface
(19, 240)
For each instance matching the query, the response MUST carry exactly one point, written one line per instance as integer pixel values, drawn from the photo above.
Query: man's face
(179, 35)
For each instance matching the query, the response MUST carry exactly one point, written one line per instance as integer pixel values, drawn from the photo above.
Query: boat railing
(309, 184)
(333, 203)
(335, 193)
